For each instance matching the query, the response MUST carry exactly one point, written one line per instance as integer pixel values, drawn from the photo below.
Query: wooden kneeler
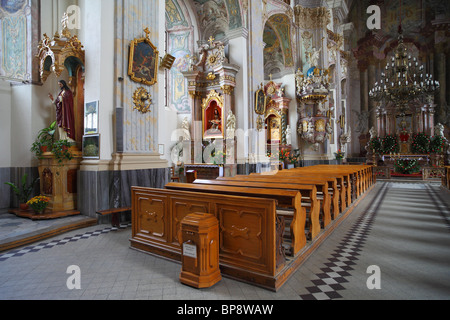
(199, 239)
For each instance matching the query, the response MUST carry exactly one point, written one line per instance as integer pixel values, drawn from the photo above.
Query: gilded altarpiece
(211, 82)
(63, 52)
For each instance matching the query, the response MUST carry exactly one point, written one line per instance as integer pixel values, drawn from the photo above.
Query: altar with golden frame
(211, 82)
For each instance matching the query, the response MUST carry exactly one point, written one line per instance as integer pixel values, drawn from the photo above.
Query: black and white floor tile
(61, 242)
(338, 267)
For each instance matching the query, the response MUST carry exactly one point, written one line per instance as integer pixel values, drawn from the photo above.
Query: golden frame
(212, 96)
(145, 56)
(260, 101)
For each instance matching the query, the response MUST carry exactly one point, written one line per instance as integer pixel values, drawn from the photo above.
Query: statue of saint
(231, 125)
(313, 57)
(64, 112)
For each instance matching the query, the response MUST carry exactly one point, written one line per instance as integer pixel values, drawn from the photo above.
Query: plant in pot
(39, 204)
(44, 141)
(61, 150)
(23, 192)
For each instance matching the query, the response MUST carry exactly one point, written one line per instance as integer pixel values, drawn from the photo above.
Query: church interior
(225, 149)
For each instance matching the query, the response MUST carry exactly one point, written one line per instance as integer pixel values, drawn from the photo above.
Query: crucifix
(147, 32)
(211, 40)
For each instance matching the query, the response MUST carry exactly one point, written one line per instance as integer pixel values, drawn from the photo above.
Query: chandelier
(403, 80)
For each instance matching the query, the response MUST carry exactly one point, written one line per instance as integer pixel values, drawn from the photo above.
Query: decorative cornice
(311, 18)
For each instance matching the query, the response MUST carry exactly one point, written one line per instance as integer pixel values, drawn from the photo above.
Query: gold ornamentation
(213, 95)
(259, 123)
(312, 18)
(145, 70)
(211, 76)
(227, 89)
(53, 53)
(305, 126)
(142, 101)
(320, 125)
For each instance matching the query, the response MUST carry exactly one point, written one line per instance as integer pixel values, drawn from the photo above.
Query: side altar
(208, 142)
(58, 146)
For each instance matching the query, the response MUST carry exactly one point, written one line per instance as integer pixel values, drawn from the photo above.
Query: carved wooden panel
(181, 207)
(72, 181)
(239, 226)
(47, 182)
(152, 221)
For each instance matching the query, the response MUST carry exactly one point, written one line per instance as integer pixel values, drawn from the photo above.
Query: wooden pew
(250, 247)
(304, 188)
(287, 198)
(344, 181)
(332, 194)
(314, 174)
(446, 178)
(322, 187)
(356, 178)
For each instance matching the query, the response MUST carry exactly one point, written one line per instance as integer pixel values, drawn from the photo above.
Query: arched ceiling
(215, 17)
(277, 38)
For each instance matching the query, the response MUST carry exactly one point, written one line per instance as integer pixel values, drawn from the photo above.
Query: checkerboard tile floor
(401, 227)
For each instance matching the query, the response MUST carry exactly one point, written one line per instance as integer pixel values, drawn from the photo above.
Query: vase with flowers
(39, 204)
(339, 155)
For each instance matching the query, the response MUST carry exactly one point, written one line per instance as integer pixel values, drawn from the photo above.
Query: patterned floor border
(60, 242)
(337, 268)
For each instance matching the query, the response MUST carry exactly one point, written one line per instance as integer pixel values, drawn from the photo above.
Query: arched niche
(65, 54)
(273, 126)
(213, 119)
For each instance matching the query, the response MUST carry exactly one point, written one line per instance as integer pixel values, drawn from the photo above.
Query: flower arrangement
(437, 144)
(376, 146)
(420, 143)
(339, 155)
(39, 203)
(293, 158)
(284, 155)
(406, 166)
(390, 144)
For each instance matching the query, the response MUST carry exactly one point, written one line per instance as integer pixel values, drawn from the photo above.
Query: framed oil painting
(143, 61)
(91, 147)
(260, 102)
(91, 118)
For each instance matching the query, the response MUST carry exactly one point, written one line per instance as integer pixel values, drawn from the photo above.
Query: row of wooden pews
(268, 223)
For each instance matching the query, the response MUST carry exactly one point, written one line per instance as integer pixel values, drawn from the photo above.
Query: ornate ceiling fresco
(278, 49)
(215, 17)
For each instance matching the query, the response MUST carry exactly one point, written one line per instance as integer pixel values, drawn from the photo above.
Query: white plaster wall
(168, 121)
(97, 36)
(5, 124)
(243, 109)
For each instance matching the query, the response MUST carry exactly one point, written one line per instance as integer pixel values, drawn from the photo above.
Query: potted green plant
(61, 150)
(23, 192)
(44, 141)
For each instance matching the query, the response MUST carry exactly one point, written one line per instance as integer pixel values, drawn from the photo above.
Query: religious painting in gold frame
(260, 102)
(213, 120)
(143, 60)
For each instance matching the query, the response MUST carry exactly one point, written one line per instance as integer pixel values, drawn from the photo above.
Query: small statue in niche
(216, 121)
